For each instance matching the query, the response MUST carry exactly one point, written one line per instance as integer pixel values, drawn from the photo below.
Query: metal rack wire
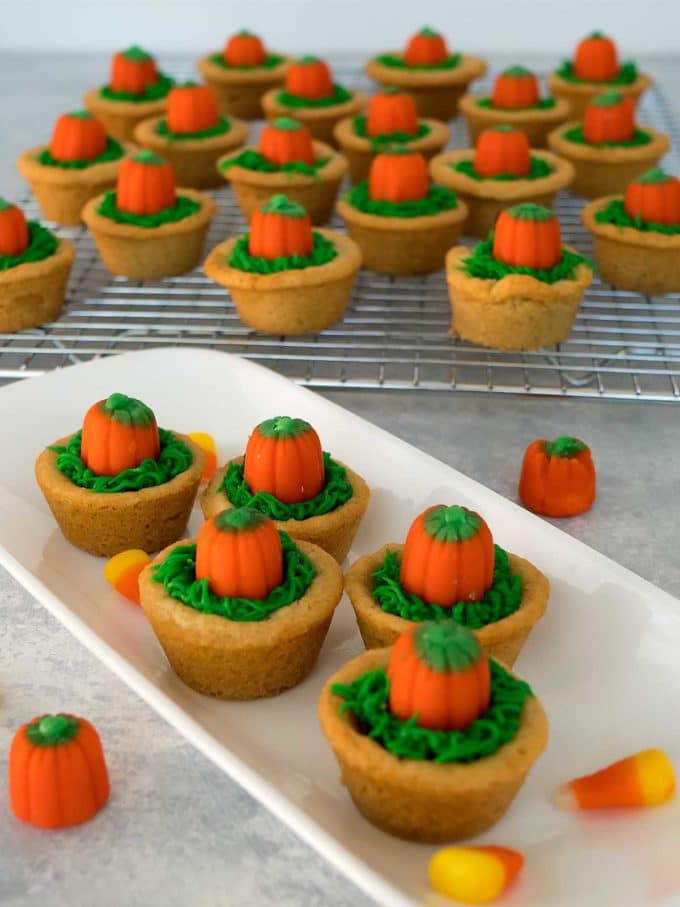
(395, 332)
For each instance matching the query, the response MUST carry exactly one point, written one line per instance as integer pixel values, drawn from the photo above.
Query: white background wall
(640, 26)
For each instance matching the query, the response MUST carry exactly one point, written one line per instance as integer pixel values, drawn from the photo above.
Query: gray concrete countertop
(177, 831)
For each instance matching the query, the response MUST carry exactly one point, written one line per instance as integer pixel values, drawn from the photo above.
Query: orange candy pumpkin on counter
(558, 477)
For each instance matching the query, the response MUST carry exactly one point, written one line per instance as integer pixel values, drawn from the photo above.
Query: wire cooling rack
(395, 334)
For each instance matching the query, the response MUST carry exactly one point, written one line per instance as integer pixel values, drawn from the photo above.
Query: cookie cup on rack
(33, 292)
(536, 123)
(579, 94)
(321, 121)
(239, 90)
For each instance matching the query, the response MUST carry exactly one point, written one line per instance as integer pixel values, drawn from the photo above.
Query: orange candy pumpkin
(57, 772)
(77, 136)
(284, 458)
(558, 477)
(14, 236)
(527, 236)
(146, 184)
(132, 71)
(244, 49)
(654, 197)
(398, 175)
(448, 556)
(439, 674)
(609, 117)
(118, 433)
(280, 228)
(309, 77)
(502, 150)
(191, 108)
(239, 553)
(514, 88)
(391, 111)
(596, 58)
(426, 48)
(285, 141)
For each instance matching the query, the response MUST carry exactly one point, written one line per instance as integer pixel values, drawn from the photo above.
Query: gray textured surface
(177, 831)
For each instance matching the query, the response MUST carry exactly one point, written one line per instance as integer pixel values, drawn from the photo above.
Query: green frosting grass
(323, 251)
(153, 92)
(221, 126)
(439, 198)
(336, 492)
(539, 168)
(396, 61)
(482, 264)
(615, 213)
(250, 159)
(627, 74)
(174, 458)
(177, 573)
(340, 96)
(41, 244)
(269, 62)
(367, 698)
(112, 152)
(575, 134)
(379, 142)
(502, 599)
(184, 207)
(543, 104)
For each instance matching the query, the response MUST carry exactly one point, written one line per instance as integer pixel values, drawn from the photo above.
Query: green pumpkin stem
(564, 446)
(136, 53)
(427, 32)
(283, 427)
(655, 175)
(530, 211)
(146, 156)
(287, 124)
(279, 204)
(307, 60)
(607, 99)
(451, 524)
(80, 115)
(517, 71)
(128, 410)
(239, 519)
(446, 646)
(4, 204)
(52, 730)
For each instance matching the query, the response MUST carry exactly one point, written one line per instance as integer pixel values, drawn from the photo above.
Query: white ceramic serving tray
(605, 661)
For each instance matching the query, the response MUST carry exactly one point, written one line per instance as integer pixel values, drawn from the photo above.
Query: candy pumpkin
(285, 141)
(77, 136)
(515, 88)
(398, 175)
(391, 111)
(448, 556)
(118, 433)
(280, 228)
(596, 58)
(146, 184)
(558, 477)
(57, 772)
(502, 150)
(283, 457)
(132, 71)
(14, 236)
(309, 77)
(426, 48)
(244, 49)
(654, 197)
(527, 236)
(191, 108)
(239, 553)
(439, 675)
(609, 117)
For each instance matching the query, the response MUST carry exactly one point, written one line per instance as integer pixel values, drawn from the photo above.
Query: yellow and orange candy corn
(123, 570)
(645, 779)
(474, 875)
(207, 444)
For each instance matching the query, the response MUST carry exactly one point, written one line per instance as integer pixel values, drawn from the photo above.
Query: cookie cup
(239, 91)
(244, 659)
(148, 253)
(104, 524)
(120, 118)
(316, 194)
(299, 301)
(333, 531)
(403, 245)
(485, 199)
(33, 292)
(321, 121)
(535, 123)
(579, 94)
(420, 800)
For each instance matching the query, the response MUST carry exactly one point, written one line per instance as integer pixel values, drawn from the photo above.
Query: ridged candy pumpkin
(57, 772)
(118, 433)
(398, 175)
(514, 88)
(502, 150)
(285, 141)
(132, 71)
(191, 108)
(283, 457)
(309, 77)
(280, 228)
(14, 236)
(391, 111)
(239, 553)
(448, 556)
(77, 136)
(527, 236)
(146, 184)
(609, 117)
(558, 477)
(596, 58)
(654, 197)
(426, 48)
(244, 49)
(439, 673)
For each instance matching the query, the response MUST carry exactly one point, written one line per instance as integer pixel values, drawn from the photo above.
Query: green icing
(502, 599)
(615, 213)
(41, 244)
(221, 126)
(628, 73)
(339, 96)
(177, 573)
(283, 427)
(379, 142)
(542, 104)
(482, 264)
(323, 251)
(451, 524)
(128, 411)
(564, 446)
(575, 134)
(174, 458)
(539, 168)
(269, 62)
(52, 730)
(183, 207)
(446, 647)
(336, 491)
(438, 199)
(367, 698)
(112, 152)
(154, 92)
(253, 160)
(396, 61)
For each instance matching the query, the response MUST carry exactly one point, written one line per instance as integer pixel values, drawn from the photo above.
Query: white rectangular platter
(605, 661)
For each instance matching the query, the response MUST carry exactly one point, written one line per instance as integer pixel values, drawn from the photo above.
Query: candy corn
(475, 875)
(645, 779)
(123, 570)
(207, 444)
